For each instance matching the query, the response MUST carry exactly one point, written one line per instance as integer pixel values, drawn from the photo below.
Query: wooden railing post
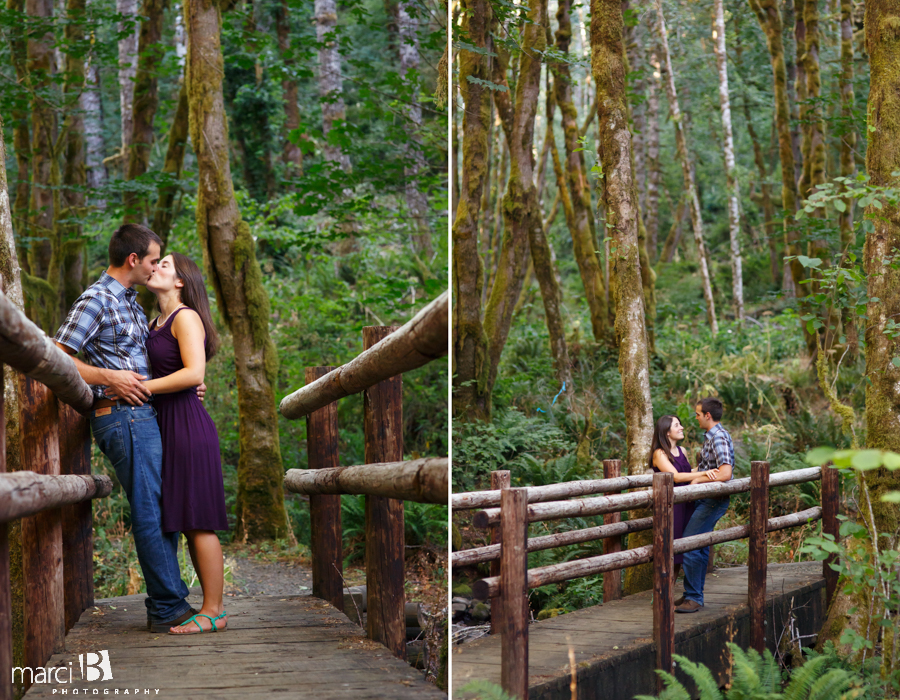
(663, 567)
(6, 659)
(514, 592)
(612, 580)
(500, 479)
(758, 557)
(326, 542)
(42, 555)
(77, 520)
(831, 503)
(383, 423)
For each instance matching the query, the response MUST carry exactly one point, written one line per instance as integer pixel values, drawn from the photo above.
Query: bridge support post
(325, 510)
(385, 544)
(42, 555)
(758, 557)
(831, 503)
(500, 480)
(663, 568)
(612, 580)
(514, 592)
(6, 660)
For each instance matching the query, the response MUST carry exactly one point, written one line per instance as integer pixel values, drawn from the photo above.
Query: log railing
(384, 480)
(48, 506)
(510, 546)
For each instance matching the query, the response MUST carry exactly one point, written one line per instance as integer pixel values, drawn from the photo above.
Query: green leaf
(809, 262)
(818, 456)
(891, 497)
(839, 205)
(890, 460)
(487, 83)
(896, 362)
(865, 460)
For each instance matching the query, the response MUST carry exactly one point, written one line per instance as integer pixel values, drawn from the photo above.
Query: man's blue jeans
(129, 437)
(706, 514)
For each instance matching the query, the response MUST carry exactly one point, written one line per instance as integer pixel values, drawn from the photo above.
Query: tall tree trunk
(734, 217)
(674, 237)
(622, 219)
(92, 108)
(883, 378)
(848, 137)
(331, 87)
(654, 172)
(577, 207)
(768, 209)
(128, 60)
(291, 154)
(790, 53)
(521, 213)
(471, 396)
(230, 256)
(164, 212)
(21, 135)
(684, 157)
(10, 272)
(145, 102)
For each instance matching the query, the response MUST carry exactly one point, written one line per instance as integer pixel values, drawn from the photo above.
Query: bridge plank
(273, 644)
(610, 673)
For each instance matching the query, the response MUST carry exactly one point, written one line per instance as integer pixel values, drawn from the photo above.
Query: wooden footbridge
(52, 635)
(610, 651)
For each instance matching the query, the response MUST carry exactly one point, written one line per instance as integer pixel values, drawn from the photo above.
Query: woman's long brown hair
(193, 295)
(661, 437)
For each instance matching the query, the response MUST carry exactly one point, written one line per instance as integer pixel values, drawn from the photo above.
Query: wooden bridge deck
(299, 647)
(614, 651)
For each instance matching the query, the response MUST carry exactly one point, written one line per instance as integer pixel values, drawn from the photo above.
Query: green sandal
(212, 621)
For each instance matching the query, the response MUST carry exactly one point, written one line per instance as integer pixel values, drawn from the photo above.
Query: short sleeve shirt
(108, 325)
(718, 449)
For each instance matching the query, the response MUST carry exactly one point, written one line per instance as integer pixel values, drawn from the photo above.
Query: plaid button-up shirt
(109, 326)
(718, 449)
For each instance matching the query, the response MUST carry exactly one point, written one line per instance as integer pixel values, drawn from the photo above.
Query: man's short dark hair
(128, 239)
(712, 406)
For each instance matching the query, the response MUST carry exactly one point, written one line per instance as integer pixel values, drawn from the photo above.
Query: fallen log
(417, 343)
(27, 349)
(420, 480)
(26, 493)
(553, 492)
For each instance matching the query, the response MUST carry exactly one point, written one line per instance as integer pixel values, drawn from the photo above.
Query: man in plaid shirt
(109, 327)
(717, 461)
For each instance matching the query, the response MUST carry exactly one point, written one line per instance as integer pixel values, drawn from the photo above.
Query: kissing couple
(148, 418)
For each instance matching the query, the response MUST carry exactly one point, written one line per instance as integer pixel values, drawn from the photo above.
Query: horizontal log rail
(600, 505)
(419, 480)
(421, 340)
(579, 568)
(552, 492)
(26, 348)
(477, 555)
(25, 493)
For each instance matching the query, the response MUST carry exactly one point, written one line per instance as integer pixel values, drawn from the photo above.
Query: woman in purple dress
(667, 456)
(182, 339)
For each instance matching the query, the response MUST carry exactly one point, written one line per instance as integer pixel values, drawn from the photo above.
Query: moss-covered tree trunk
(471, 398)
(21, 139)
(92, 109)
(848, 135)
(144, 104)
(734, 217)
(882, 27)
(230, 258)
(620, 200)
(654, 172)
(688, 174)
(579, 212)
(129, 29)
(291, 153)
(331, 88)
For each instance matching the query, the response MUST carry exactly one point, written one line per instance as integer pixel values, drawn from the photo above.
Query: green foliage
(482, 690)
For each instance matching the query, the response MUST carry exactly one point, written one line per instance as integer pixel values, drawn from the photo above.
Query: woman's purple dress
(683, 511)
(193, 490)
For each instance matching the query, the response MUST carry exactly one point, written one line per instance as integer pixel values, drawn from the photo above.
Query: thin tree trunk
(654, 172)
(847, 147)
(291, 154)
(164, 212)
(674, 237)
(577, 205)
(790, 53)
(92, 108)
(21, 133)
(145, 101)
(734, 217)
(230, 256)
(471, 394)
(689, 184)
(128, 59)
(768, 208)
(331, 89)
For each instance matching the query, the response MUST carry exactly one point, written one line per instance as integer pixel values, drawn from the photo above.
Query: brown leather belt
(104, 403)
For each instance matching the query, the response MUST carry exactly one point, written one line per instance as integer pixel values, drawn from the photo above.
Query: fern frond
(804, 677)
(674, 689)
(706, 684)
(830, 686)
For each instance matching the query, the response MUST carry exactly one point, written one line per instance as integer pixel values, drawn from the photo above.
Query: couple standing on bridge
(156, 432)
(698, 517)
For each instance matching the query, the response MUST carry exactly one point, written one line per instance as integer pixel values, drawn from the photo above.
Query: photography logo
(95, 666)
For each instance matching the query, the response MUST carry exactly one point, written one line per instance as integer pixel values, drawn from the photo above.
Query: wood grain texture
(418, 342)
(514, 593)
(385, 544)
(758, 554)
(500, 480)
(326, 546)
(297, 646)
(831, 505)
(24, 494)
(6, 658)
(612, 580)
(663, 568)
